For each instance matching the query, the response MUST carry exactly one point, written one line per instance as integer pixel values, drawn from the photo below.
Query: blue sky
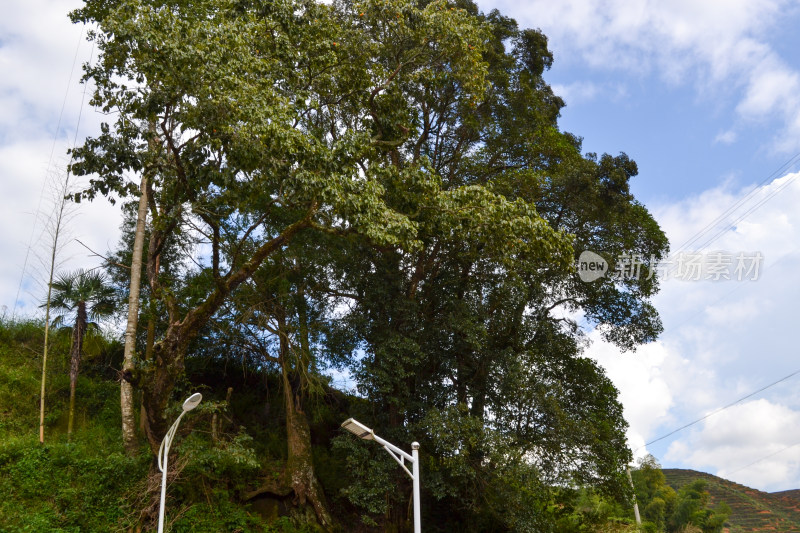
(705, 96)
(662, 102)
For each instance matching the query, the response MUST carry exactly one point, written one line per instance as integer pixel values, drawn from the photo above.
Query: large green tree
(271, 119)
(416, 146)
(472, 340)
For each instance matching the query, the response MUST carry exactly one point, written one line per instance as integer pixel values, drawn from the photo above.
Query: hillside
(88, 484)
(751, 509)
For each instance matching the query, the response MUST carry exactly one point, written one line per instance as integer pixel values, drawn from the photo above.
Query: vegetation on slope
(88, 484)
(751, 509)
(379, 188)
(229, 454)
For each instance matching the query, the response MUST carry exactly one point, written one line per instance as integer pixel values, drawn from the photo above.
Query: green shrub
(66, 487)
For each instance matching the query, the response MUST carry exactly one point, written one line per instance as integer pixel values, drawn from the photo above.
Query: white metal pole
(415, 480)
(393, 448)
(363, 432)
(163, 456)
(163, 465)
(635, 503)
(163, 453)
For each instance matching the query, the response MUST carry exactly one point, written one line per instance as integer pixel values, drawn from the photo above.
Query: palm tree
(88, 296)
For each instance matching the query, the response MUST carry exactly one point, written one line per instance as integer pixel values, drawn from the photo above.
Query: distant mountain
(751, 509)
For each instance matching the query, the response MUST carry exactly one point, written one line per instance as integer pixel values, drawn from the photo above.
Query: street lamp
(363, 432)
(163, 452)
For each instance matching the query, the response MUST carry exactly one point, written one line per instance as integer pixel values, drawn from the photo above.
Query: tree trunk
(44, 370)
(167, 366)
(126, 389)
(299, 466)
(148, 356)
(60, 213)
(216, 419)
(78, 332)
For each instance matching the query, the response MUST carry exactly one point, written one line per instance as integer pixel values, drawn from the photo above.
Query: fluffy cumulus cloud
(723, 340)
(579, 91)
(726, 137)
(719, 46)
(41, 53)
(586, 91)
(757, 443)
(644, 388)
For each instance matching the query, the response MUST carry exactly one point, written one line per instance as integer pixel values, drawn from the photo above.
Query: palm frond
(71, 289)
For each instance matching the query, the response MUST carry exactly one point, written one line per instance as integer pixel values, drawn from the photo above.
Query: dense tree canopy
(382, 187)
(664, 509)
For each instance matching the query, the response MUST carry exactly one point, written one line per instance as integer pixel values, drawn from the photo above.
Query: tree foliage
(381, 187)
(84, 297)
(667, 510)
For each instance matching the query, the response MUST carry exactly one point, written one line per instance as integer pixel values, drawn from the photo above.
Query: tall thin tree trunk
(46, 341)
(60, 213)
(78, 331)
(126, 389)
(148, 356)
(44, 355)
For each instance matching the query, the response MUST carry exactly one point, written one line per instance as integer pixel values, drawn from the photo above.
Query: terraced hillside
(751, 509)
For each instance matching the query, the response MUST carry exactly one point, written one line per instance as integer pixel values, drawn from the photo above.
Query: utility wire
(712, 413)
(47, 174)
(708, 227)
(724, 229)
(762, 458)
(720, 231)
(80, 110)
(752, 209)
(737, 287)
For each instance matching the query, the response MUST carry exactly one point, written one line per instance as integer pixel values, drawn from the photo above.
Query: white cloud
(726, 137)
(38, 46)
(722, 47)
(645, 394)
(773, 88)
(764, 219)
(578, 92)
(754, 442)
(723, 313)
(41, 53)
(722, 341)
(581, 92)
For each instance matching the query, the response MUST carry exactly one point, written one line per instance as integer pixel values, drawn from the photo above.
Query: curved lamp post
(163, 452)
(361, 431)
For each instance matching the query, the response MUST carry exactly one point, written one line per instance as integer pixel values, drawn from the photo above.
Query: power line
(762, 458)
(47, 173)
(708, 227)
(752, 209)
(762, 389)
(724, 229)
(80, 110)
(737, 287)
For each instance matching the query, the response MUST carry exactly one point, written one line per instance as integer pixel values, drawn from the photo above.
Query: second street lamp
(363, 432)
(163, 453)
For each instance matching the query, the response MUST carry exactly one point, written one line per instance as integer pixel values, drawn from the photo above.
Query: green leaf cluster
(380, 186)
